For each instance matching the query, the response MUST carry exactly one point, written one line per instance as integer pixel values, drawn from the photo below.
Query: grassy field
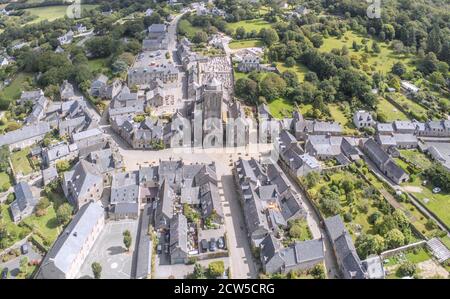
(248, 43)
(416, 157)
(409, 105)
(51, 13)
(281, 108)
(390, 111)
(188, 28)
(249, 25)
(13, 90)
(20, 161)
(300, 69)
(339, 116)
(382, 61)
(4, 180)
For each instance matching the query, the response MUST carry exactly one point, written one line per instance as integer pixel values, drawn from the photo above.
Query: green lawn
(46, 225)
(20, 161)
(188, 28)
(13, 90)
(300, 69)
(97, 64)
(51, 13)
(414, 256)
(249, 25)
(409, 105)
(390, 111)
(4, 180)
(438, 203)
(304, 108)
(417, 158)
(446, 241)
(248, 43)
(339, 116)
(382, 61)
(281, 108)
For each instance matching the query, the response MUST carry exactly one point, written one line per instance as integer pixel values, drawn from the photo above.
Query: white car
(436, 190)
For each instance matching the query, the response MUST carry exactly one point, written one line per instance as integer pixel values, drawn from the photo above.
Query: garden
(20, 162)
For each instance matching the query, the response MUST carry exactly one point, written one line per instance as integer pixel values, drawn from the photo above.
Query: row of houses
(269, 203)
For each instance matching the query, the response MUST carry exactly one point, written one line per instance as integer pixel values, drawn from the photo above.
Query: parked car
(436, 190)
(4, 274)
(212, 244)
(204, 245)
(221, 243)
(24, 248)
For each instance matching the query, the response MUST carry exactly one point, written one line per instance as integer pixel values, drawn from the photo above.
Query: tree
(199, 272)
(240, 32)
(247, 89)
(434, 40)
(41, 207)
(395, 238)
(200, 37)
(119, 66)
(376, 47)
(23, 265)
(64, 213)
(407, 269)
(318, 272)
(216, 269)
(127, 239)
(369, 244)
(96, 270)
(272, 86)
(290, 61)
(269, 36)
(62, 166)
(312, 179)
(399, 68)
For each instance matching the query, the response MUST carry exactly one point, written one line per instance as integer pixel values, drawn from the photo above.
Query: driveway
(14, 264)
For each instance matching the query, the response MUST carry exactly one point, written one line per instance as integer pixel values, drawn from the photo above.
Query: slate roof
(24, 133)
(82, 177)
(74, 237)
(24, 198)
(144, 245)
(348, 259)
(178, 233)
(125, 188)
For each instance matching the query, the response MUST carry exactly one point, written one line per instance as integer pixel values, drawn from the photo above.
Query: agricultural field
(389, 111)
(250, 25)
(242, 44)
(382, 61)
(20, 162)
(280, 108)
(300, 69)
(51, 13)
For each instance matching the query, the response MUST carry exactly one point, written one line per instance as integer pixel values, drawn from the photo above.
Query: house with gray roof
(144, 245)
(82, 184)
(348, 260)
(49, 175)
(58, 152)
(435, 129)
(24, 203)
(300, 255)
(32, 95)
(178, 243)
(85, 138)
(107, 160)
(164, 206)
(38, 112)
(66, 91)
(98, 85)
(363, 119)
(384, 128)
(25, 136)
(124, 202)
(404, 127)
(68, 253)
(382, 160)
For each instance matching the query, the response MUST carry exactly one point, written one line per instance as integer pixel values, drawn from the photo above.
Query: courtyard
(110, 253)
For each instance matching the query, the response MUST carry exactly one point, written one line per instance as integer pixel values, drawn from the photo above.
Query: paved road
(14, 264)
(318, 232)
(242, 263)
